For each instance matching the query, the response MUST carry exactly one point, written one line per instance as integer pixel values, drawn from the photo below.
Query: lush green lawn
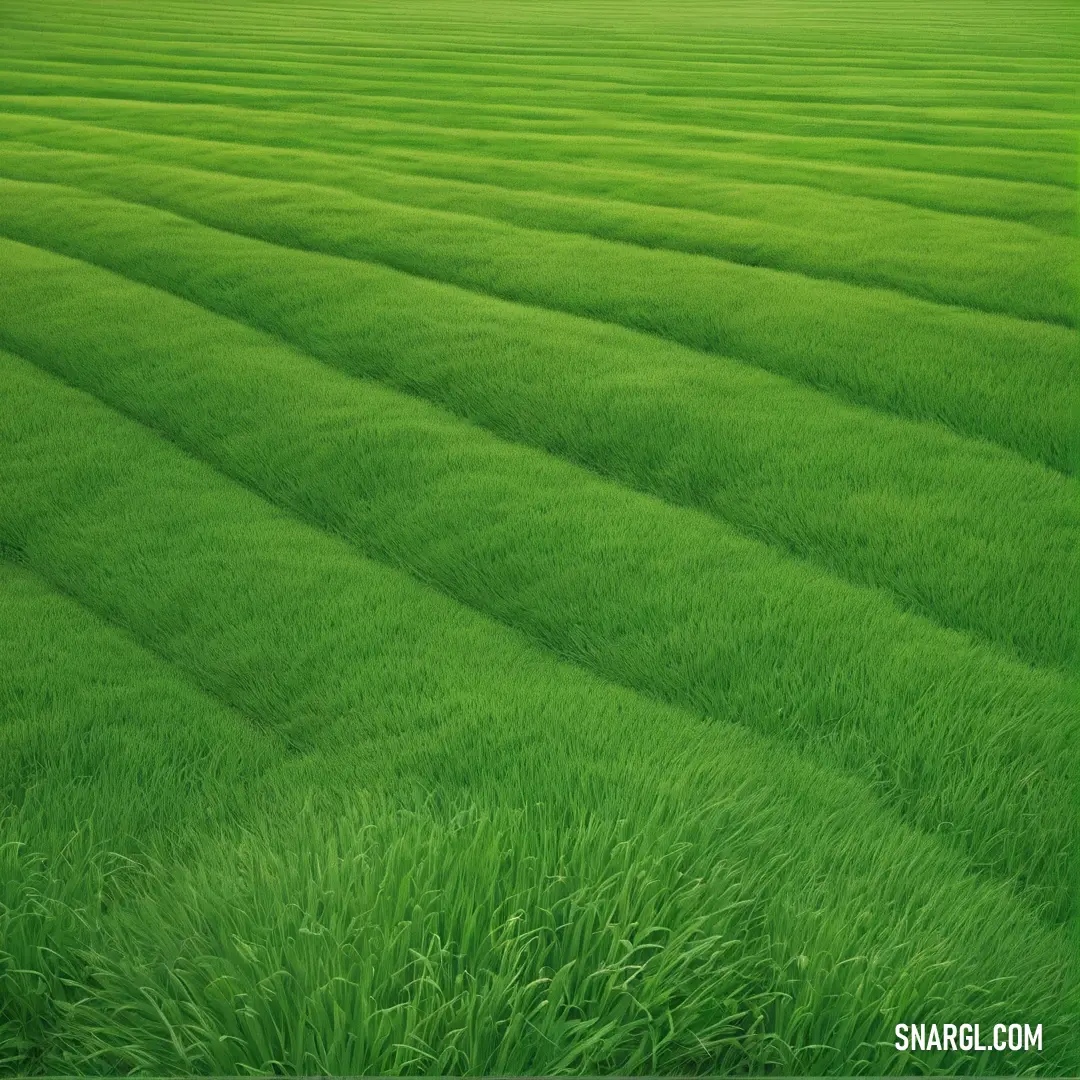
(537, 538)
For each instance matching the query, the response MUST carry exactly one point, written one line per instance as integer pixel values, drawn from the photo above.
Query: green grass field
(538, 538)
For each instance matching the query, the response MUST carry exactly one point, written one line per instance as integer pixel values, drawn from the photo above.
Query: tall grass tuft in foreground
(440, 941)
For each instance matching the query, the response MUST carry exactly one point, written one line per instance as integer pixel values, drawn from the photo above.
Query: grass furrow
(72, 910)
(148, 766)
(574, 112)
(143, 755)
(967, 127)
(987, 265)
(1021, 129)
(1042, 205)
(1007, 380)
(619, 43)
(779, 461)
(961, 742)
(581, 139)
(127, 524)
(1036, 88)
(619, 48)
(875, 499)
(538, 539)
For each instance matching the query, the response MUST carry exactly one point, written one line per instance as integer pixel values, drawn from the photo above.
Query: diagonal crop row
(706, 112)
(874, 499)
(905, 43)
(1053, 167)
(1046, 206)
(1004, 379)
(143, 758)
(994, 266)
(180, 799)
(419, 691)
(958, 740)
(1049, 93)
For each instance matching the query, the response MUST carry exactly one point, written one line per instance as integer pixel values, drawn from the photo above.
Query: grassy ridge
(537, 539)
(1004, 379)
(96, 526)
(579, 137)
(413, 487)
(337, 52)
(1043, 205)
(203, 772)
(991, 265)
(327, 65)
(303, 74)
(910, 508)
(77, 695)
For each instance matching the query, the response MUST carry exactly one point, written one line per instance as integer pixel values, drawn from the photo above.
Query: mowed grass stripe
(1040, 87)
(412, 39)
(1003, 379)
(620, 50)
(712, 67)
(654, 186)
(559, 110)
(583, 139)
(959, 741)
(987, 265)
(771, 84)
(904, 26)
(563, 38)
(1042, 205)
(562, 48)
(127, 524)
(876, 499)
(276, 60)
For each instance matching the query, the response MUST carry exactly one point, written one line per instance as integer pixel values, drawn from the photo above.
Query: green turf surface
(537, 539)
(1006, 379)
(971, 261)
